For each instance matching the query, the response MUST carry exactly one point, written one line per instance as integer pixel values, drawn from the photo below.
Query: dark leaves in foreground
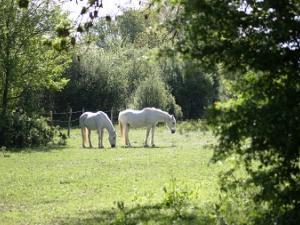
(23, 3)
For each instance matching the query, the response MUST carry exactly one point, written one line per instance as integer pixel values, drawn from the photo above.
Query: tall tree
(26, 61)
(260, 41)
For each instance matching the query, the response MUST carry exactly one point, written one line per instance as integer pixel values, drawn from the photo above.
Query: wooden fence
(67, 118)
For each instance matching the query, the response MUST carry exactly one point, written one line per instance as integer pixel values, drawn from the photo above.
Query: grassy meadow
(172, 183)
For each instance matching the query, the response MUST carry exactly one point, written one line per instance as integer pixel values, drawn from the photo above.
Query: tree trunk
(5, 94)
(7, 68)
(7, 74)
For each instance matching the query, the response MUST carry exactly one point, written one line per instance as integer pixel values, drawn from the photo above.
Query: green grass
(72, 185)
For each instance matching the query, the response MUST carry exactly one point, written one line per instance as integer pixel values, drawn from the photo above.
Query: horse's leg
(126, 135)
(100, 138)
(89, 136)
(147, 135)
(152, 136)
(102, 134)
(122, 131)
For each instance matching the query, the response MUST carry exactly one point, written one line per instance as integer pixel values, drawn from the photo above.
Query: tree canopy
(259, 41)
(29, 64)
(26, 61)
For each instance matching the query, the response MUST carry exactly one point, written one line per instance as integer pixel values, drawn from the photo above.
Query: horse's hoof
(146, 146)
(153, 146)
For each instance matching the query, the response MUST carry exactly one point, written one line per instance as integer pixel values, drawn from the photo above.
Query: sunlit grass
(71, 185)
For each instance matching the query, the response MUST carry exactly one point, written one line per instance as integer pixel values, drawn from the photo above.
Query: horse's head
(171, 123)
(112, 139)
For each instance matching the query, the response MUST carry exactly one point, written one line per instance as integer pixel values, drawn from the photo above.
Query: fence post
(69, 121)
(51, 118)
(112, 115)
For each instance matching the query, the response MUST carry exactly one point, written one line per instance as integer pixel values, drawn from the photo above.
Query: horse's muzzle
(113, 146)
(173, 131)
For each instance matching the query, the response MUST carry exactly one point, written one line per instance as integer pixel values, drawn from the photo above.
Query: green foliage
(106, 73)
(23, 3)
(263, 128)
(131, 25)
(28, 61)
(258, 43)
(176, 203)
(226, 80)
(122, 63)
(237, 203)
(193, 88)
(97, 82)
(258, 34)
(19, 130)
(178, 197)
(192, 126)
(153, 93)
(121, 216)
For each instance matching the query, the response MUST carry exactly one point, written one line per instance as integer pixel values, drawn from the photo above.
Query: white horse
(148, 117)
(96, 121)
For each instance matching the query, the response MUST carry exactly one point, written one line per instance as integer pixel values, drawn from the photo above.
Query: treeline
(119, 64)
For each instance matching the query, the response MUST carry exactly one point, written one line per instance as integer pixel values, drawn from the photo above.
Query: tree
(194, 88)
(260, 41)
(152, 92)
(97, 82)
(131, 25)
(29, 63)
(26, 61)
(111, 67)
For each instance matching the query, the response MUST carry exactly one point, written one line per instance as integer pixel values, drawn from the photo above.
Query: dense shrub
(194, 88)
(153, 93)
(19, 130)
(260, 129)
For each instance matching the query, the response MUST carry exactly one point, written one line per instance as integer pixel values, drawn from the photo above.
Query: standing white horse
(96, 121)
(148, 117)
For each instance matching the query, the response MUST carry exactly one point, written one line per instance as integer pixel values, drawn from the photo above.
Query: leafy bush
(237, 203)
(153, 93)
(192, 125)
(194, 88)
(178, 197)
(19, 130)
(261, 126)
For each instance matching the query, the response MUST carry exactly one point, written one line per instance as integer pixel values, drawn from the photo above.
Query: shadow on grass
(47, 148)
(149, 147)
(147, 214)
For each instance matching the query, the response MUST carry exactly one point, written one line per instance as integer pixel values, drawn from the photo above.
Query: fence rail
(69, 119)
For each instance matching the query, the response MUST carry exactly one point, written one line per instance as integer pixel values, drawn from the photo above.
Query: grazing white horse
(148, 117)
(96, 121)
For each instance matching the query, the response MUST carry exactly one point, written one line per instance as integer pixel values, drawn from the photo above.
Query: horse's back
(137, 118)
(92, 120)
(123, 115)
(82, 118)
(145, 111)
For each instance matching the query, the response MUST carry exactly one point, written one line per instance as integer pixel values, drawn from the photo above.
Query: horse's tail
(121, 129)
(83, 130)
(84, 135)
